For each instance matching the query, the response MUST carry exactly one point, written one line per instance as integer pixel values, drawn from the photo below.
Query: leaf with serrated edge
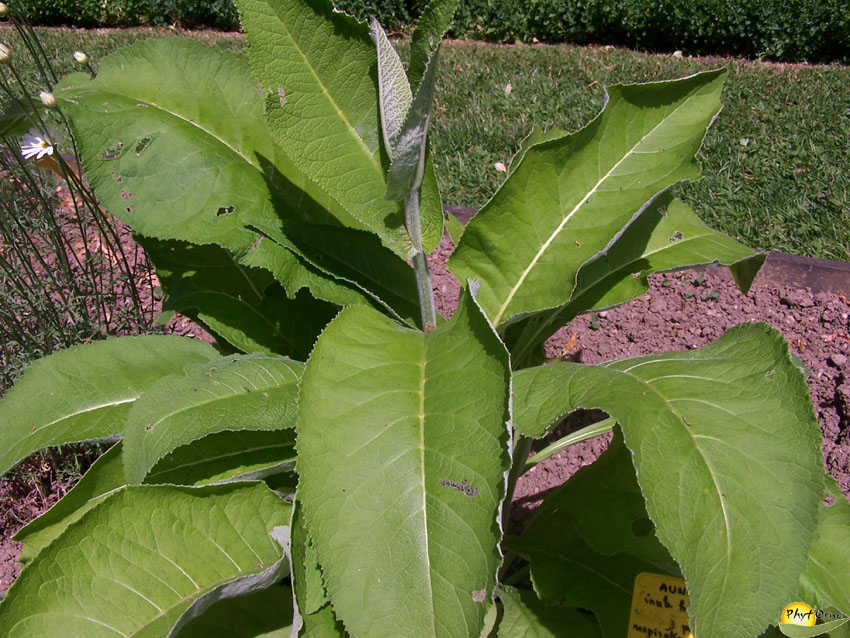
(84, 392)
(322, 107)
(178, 164)
(294, 274)
(414, 446)
(408, 165)
(525, 616)
(580, 190)
(667, 236)
(826, 581)
(250, 392)
(691, 420)
(306, 573)
(136, 562)
(432, 25)
(276, 326)
(393, 89)
(354, 257)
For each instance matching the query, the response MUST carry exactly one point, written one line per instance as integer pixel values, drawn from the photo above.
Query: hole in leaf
(129, 209)
(142, 144)
(676, 236)
(642, 527)
(224, 210)
(126, 194)
(829, 500)
(118, 179)
(281, 95)
(113, 151)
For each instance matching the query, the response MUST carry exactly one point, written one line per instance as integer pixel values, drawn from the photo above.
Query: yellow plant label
(659, 608)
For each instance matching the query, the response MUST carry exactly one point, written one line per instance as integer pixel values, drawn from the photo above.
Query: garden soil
(681, 311)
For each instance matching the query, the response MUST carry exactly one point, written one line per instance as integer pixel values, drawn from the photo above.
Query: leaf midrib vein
(373, 158)
(711, 472)
(576, 208)
(427, 540)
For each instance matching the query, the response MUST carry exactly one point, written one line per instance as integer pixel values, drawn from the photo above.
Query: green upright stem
(420, 262)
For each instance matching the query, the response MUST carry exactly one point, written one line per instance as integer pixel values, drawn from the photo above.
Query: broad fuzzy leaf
(413, 446)
(579, 191)
(184, 164)
(83, 393)
(432, 25)
(525, 616)
(318, 68)
(409, 154)
(667, 236)
(826, 581)
(251, 392)
(135, 563)
(393, 88)
(136, 124)
(692, 421)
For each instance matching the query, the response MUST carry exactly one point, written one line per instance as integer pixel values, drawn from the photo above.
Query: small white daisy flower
(37, 144)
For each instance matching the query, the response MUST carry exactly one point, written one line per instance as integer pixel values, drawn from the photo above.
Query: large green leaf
(667, 236)
(133, 565)
(826, 581)
(251, 392)
(393, 89)
(172, 137)
(432, 25)
(318, 68)
(402, 444)
(197, 166)
(577, 192)
(83, 393)
(591, 537)
(525, 616)
(722, 438)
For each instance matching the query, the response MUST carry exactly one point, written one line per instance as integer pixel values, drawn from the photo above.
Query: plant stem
(420, 262)
(595, 429)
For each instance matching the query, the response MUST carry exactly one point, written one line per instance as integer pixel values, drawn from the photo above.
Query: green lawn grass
(775, 163)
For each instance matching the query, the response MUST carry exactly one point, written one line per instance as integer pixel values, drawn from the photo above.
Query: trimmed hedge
(789, 30)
